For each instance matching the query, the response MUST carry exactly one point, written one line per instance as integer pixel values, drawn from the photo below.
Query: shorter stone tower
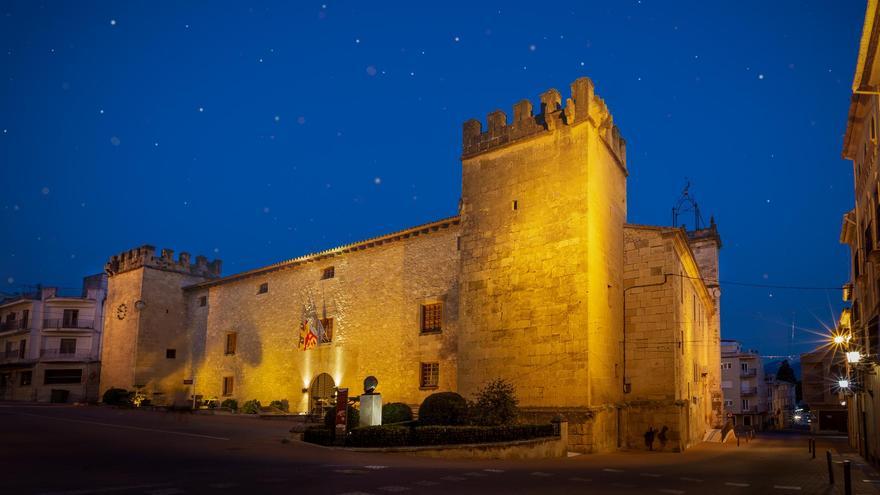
(146, 344)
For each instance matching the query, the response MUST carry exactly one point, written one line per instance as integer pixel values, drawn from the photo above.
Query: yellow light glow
(839, 339)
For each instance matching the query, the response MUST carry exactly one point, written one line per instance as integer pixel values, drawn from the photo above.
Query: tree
(785, 373)
(495, 404)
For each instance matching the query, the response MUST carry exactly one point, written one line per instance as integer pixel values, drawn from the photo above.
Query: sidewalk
(865, 480)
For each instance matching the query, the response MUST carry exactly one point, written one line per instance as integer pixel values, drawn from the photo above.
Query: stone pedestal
(371, 410)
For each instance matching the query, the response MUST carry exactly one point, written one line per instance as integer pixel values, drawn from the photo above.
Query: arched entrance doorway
(322, 394)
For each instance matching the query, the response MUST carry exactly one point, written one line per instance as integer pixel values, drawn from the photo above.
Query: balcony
(68, 324)
(747, 392)
(64, 355)
(8, 326)
(12, 357)
(748, 373)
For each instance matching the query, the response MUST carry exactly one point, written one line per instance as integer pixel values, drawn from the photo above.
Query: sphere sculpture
(370, 384)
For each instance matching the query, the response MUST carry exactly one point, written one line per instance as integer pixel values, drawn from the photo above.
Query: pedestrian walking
(662, 437)
(649, 438)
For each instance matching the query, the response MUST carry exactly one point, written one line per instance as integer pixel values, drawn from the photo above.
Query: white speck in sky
(357, 41)
(201, 109)
(377, 180)
(412, 73)
(532, 47)
(277, 118)
(115, 141)
(371, 71)
(301, 120)
(10, 280)
(44, 190)
(266, 209)
(216, 250)
(457, 39)
(760, 76)
(5, 131)
(112, 22)
(101, 111)
(156, 144)
(260, 60)
(768, 201)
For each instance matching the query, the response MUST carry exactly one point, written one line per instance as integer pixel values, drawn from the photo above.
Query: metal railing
(63, 324)
(14, 325)
(748, 373)
(62, 354)
(745, 392)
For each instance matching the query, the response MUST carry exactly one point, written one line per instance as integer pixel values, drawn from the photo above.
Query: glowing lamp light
(797, 418)
(853, 357)
(839, 339)
(843, 383)
(843, 403)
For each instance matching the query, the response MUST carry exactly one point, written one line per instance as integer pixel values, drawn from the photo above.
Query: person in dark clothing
(662, 437)
(649, 438)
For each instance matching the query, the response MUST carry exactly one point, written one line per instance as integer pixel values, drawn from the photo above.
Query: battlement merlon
(583, 105)
(145, 256)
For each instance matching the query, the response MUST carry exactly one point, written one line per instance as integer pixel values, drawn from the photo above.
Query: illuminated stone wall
(375, 299)
(543, 207)
(672, 345)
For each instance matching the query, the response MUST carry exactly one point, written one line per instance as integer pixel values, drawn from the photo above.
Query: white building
(743, 385)
(781, 402)
(50, 344)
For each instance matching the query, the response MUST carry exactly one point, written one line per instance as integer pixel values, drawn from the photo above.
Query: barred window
(432, 317)
(327, 323)
(328, 272)
(264, 288)
(430, 375)
(228, 385)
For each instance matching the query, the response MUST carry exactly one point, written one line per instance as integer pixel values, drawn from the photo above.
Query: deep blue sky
(258, 134)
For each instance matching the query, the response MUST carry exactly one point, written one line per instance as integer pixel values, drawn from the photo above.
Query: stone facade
(526, 284)
(671, 339)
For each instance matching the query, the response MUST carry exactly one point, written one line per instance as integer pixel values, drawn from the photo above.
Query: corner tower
(542, 212)
(146, 345)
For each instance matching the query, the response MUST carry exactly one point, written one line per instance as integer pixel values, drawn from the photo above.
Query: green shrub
(230, 404)
(352, 420)
(378, 436)
(280, 404)
(448, 435)
(250, 407)
(396, 412)
(495, 405)
(443, 408)
(319, 435)
(117, 397)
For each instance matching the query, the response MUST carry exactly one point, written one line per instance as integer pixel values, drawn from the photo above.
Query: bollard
(737, 440)
(810, 445)
(813, 442)
(830, 468)
(847, 481)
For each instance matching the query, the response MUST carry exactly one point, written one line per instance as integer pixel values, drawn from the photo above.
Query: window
(170, 353)
(8, 349)
(24, 318)
(62, 376)
(726, 365)
(327, 324)
(432, 317)
(515, 205)
(430, 375)
(70, 318)
(231, 337)
(203, 301)
(22, 348)
(745, 404)
(328, 272)
(264, 288)
(68, 346)
(728, 403)
(228, 385)
(26, 378)
(10, 317)
(744, 366)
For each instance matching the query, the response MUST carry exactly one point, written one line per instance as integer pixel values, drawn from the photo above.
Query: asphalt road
(79, 450)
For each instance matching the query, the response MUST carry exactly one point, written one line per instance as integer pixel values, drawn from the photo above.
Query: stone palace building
(538, 280)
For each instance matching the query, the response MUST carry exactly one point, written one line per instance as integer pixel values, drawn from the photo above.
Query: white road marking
(375, 467)
(350, 471)
(539, 473)
(494, 470)
(426, 483)
(692, 480)
(580, 479)
(623, 485)
(394, 488)
(474, 474)
(650, 475)
(670, 490)
(871, 481)
(356, 493)
(611, 470)
(741, 485)
(786, 487)
(125, 427)
(106, 489)
(573, 454)
(453, 478)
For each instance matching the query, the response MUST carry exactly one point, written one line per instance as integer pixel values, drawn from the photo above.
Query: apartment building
(743, 385)
(50, 343)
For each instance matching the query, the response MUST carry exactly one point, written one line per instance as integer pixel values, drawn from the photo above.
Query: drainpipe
(656, 284)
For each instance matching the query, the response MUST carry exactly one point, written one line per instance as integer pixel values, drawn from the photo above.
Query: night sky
(259, 134)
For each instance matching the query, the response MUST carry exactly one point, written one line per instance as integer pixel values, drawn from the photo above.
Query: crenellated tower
(146, 344)
(543, 208)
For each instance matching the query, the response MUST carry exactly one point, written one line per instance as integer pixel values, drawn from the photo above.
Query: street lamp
(843, 383)
(853, 357)
(839, 339)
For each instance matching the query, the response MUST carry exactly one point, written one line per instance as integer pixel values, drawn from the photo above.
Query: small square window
(68, 346)
(264, 288)
(231, 339)
(328, 272)
(26, 378)
(170, 353)
(430, 375)
(203, 301)
(432, 317)
(228, 385)
(515, 205)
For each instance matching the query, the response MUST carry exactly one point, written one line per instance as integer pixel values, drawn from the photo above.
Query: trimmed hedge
(250, 407)
(230, 404)
(450, 435)
(282, 405)
(396, 412)
(117, 397)
(443, 408)
(319, 435)
(379, 436)
(352, 420)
